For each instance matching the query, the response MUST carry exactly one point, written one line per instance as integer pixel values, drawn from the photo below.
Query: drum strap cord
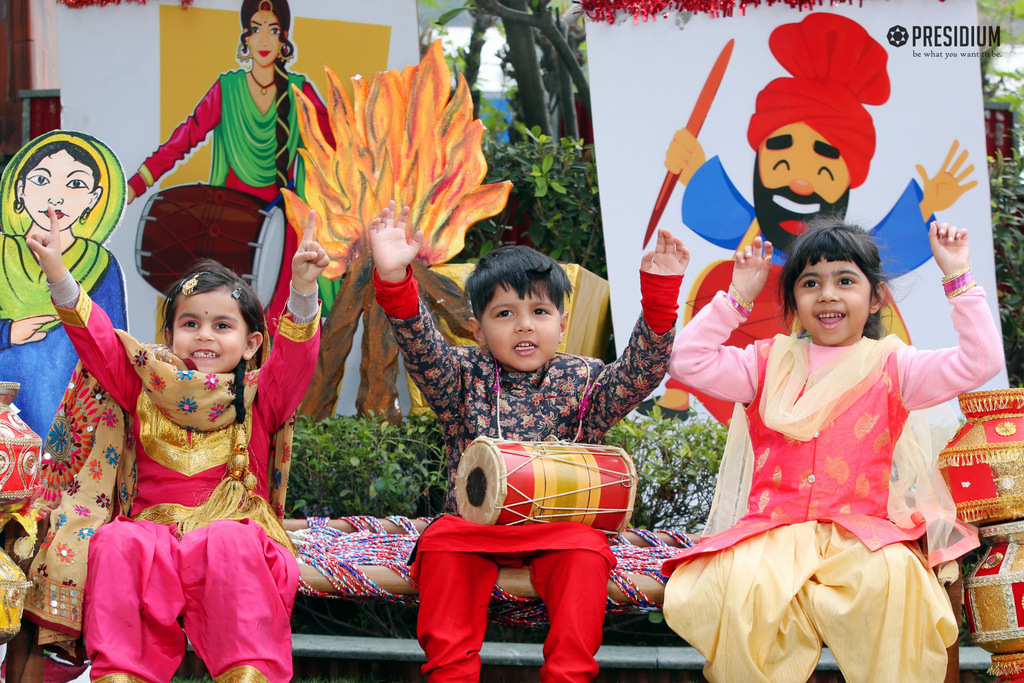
(588, 389)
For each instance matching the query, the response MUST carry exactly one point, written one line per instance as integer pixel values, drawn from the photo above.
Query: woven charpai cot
(983, 464)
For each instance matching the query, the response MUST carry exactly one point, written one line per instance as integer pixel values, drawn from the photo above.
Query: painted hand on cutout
(942, 190)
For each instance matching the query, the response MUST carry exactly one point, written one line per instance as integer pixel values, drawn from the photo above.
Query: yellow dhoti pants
(759, 610)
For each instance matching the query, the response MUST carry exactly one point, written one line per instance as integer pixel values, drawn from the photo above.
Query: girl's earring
(85, 215)
(243, 52)
(19, 205)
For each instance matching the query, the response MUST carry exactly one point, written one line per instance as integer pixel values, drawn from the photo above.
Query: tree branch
(546, 25)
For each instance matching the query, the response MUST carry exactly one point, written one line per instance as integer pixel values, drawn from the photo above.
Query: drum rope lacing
(551, 512)
(337, 555)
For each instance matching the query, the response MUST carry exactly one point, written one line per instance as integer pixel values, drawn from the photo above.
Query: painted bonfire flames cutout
(400, 138)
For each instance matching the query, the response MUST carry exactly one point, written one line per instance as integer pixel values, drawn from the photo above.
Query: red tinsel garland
(78, 4)
(610, 10)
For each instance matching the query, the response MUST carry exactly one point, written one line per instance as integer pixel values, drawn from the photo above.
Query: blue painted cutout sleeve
(902, 236)
(713, 207)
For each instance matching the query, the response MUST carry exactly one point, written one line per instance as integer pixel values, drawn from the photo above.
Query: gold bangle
(953, 276)
(147, 177)
(961, 290)
(739, 299)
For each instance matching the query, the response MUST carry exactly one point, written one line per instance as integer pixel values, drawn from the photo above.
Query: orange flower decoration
(400, 138)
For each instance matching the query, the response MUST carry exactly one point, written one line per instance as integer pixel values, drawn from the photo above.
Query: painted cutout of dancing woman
(251, 115)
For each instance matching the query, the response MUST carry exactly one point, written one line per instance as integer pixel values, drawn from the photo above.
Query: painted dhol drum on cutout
(182, 224)
(20, 450)
(983, 464)
(530, 482)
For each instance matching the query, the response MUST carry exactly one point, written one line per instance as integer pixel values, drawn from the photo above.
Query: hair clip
(236, 293)
(190, 285)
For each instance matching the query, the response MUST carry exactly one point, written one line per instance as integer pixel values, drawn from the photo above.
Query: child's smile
(833, 302)
(209, 329)
(523, 334)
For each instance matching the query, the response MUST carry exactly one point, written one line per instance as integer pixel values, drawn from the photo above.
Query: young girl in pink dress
(827, 483)
(166, 527)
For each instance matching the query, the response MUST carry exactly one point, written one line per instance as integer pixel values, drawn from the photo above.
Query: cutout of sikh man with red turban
(814, 140)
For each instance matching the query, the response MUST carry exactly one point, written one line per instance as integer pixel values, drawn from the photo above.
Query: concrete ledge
(530, 655)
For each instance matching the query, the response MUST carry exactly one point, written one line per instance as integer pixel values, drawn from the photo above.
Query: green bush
(1007, 222)
(364, 466)
(677, 465)
(554, 192)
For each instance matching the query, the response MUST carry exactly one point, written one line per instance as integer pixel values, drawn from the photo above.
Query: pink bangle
(737, 306)
(959, 284)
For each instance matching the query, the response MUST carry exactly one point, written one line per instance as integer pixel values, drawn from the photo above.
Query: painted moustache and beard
(782, 213)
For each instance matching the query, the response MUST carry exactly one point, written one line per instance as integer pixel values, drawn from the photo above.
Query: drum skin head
(480, 483)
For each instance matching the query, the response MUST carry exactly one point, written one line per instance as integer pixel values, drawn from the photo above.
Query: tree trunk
(481, 22)
(522, 53)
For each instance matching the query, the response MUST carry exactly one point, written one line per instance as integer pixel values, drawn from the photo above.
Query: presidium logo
(971, 41)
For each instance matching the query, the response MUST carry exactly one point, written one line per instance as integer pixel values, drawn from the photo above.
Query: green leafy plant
(677, 465)
(1007, 190)
(364, 466)
(554, 201)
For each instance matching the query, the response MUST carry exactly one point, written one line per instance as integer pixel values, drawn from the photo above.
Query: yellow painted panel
(198, 44)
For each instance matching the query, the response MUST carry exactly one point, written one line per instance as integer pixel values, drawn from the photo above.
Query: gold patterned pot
(13, 587)
(983, 464)
(20, 450)
(994, 590)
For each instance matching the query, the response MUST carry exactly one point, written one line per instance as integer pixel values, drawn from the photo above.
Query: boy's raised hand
(45, 245)
(392, 250)
(669, 256)
(950, 246)
(309, 261)
(750, 268)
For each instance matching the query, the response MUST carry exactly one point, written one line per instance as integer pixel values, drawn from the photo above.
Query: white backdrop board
(646, 78)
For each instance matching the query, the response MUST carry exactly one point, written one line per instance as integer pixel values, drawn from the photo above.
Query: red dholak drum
(189, 222)
(530, 482)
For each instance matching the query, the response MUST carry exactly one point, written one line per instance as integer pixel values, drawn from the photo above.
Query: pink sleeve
(187, 136)
(700, 358)
(929, 378)
(322, 116)
(103, 355)
(285, 376)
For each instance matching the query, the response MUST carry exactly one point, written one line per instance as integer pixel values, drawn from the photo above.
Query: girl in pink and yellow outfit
(169, 507)
(828, 480)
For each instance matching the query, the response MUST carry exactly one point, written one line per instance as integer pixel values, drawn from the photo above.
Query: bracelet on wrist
(739, 304)
(952, 276)
(959, 284)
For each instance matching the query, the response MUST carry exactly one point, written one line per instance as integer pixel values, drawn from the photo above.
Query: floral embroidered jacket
(458, 384)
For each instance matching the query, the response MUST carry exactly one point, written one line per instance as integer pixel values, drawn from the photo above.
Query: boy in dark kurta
(516, 386)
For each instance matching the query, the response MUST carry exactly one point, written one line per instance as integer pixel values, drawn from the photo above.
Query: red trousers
(455, 589)
(231, 586)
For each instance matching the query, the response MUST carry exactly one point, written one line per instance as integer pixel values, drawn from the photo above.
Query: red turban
(837, 68)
